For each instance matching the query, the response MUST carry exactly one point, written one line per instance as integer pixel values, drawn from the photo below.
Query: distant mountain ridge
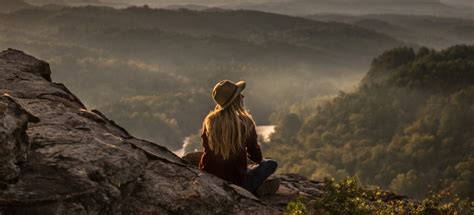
(186, 6)
(8, 6)
(431, 31)
(354, 7)
(76, 3)
(448, 8)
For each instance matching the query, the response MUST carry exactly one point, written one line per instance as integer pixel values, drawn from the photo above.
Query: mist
(454, 8)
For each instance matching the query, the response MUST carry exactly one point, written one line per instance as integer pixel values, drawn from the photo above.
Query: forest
(408, 126)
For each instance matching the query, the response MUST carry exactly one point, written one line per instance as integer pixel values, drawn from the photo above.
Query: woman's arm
(204, 141)
(253, 149)
(205, 149)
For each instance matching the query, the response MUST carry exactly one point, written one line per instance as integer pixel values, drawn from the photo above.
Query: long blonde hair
(227, 129)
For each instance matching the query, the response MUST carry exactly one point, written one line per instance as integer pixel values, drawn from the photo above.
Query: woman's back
(233, 169)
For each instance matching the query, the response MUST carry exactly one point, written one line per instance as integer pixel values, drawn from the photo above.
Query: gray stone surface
(14, 144)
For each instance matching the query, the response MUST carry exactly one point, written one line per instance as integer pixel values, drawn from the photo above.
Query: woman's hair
(227, 129)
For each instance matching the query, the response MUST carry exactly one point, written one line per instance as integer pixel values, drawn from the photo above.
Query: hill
(160, 64)
(431, 31)
(186, 6)
(460, 3)
(8, 6)
(406, 128)
(406, 7)
(68, 2)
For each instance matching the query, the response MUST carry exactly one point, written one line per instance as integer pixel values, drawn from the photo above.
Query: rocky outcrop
(70, 160)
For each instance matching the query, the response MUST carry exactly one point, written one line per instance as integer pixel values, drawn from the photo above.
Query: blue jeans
(258, 174)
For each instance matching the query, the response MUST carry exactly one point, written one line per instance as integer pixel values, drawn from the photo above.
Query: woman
(229, 138)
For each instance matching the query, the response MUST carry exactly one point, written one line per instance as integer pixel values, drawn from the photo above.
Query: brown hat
(225, 92)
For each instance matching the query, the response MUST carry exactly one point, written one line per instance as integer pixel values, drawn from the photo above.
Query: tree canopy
(407, 127)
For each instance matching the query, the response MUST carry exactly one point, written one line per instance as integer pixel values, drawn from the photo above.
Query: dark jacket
(233, 169)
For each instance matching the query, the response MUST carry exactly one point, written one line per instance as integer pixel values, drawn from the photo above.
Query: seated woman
(229, 137)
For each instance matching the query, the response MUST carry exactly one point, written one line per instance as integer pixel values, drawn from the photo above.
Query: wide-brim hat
(225, 92)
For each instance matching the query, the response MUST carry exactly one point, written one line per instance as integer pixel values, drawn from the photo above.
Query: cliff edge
(58, 157)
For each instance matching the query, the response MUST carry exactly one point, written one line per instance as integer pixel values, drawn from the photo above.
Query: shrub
(349, 197)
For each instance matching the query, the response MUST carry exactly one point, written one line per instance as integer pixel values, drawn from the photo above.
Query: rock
(21, 62)
(192, 158)
(58, 157)
(13, 140)
(291, 186)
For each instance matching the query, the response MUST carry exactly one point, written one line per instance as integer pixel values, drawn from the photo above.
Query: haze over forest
(330, 75)
(456, 8)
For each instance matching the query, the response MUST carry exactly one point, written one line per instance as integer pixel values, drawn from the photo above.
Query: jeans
(258, 174)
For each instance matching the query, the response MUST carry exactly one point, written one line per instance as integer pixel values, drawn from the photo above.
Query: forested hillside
(408, 126)
(152, 69)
